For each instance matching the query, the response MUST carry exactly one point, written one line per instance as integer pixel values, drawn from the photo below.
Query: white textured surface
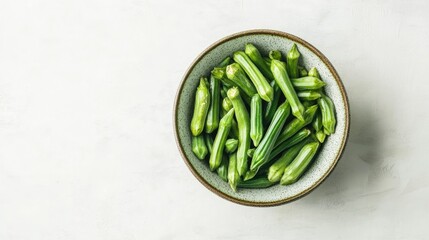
(86, 143)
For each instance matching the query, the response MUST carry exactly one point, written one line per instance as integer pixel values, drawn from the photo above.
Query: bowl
(328, 155)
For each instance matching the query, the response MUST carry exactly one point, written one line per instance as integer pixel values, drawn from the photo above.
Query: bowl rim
(331, 69)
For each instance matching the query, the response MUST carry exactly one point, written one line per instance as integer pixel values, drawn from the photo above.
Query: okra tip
(293, 53)
(313, 72)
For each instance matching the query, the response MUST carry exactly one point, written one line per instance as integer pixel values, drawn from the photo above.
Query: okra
(226, 106)
(295, 139)
(282, 79)
(263, 151)
(317, 122)
(212, 121)
(256, 125)
(295, 125)
(320, 135)
(220, 73)
(199, 147)
(233, 176)
(231, 145)
(243, 121)
(307, 83)
(275, 172)
(201, 107)
(238, 77)
(318, 127)
(209, 142)
(260, 182)
(327, 109)
(314, 73)
(302, 71)
(294, 171)
(250, 152)
(308, 104)
(309, 95)
(262, 86)
(272, 106)
(267, 61)
(257, 59)
(292, 61)
(223, 92)
(222, 170)
(225, 62)
(220, 139)
(274, 54)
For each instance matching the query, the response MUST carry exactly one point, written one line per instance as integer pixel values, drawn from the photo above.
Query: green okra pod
(222, 170)
(258, 60)
(282, 80)
(263, 151)
(231, 145)
(226, 106)
(274, 54)
(308, 104)
(209, 142)
(260, 182)
(292, 61)
(225, 62)
(220, 139)
(314, 73)
(250, 152)
(309, 95)
(223, 93)
(327, 109)
(199, 147)
(236, 74)
(320, 135)
(256, 125)
(243, 121)
(318, 127)
(259, 81)
(201, 107)
(295, 139)
(307, 83)
(295, 125)
(247, 93)
(298, 166)
(233, 176)
(276, 170)
(302, 71)
(317, 122)
(212, 120)
(272, 106)
(267, 61)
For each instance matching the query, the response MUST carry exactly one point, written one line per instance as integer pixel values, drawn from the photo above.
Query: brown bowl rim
(336, 77)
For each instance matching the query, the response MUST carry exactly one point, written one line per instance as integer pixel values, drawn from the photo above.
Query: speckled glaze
(265, 40)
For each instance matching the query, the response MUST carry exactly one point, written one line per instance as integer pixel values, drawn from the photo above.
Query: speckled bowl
(265, 40)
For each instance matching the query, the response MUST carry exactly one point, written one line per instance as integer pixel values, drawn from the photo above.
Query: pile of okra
(260, 120)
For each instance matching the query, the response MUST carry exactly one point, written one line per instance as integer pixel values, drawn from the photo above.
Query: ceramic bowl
(265, 40)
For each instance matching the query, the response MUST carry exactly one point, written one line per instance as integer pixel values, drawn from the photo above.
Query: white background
(86, 142)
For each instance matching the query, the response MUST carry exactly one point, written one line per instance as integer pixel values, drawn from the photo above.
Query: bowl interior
(328, 155)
